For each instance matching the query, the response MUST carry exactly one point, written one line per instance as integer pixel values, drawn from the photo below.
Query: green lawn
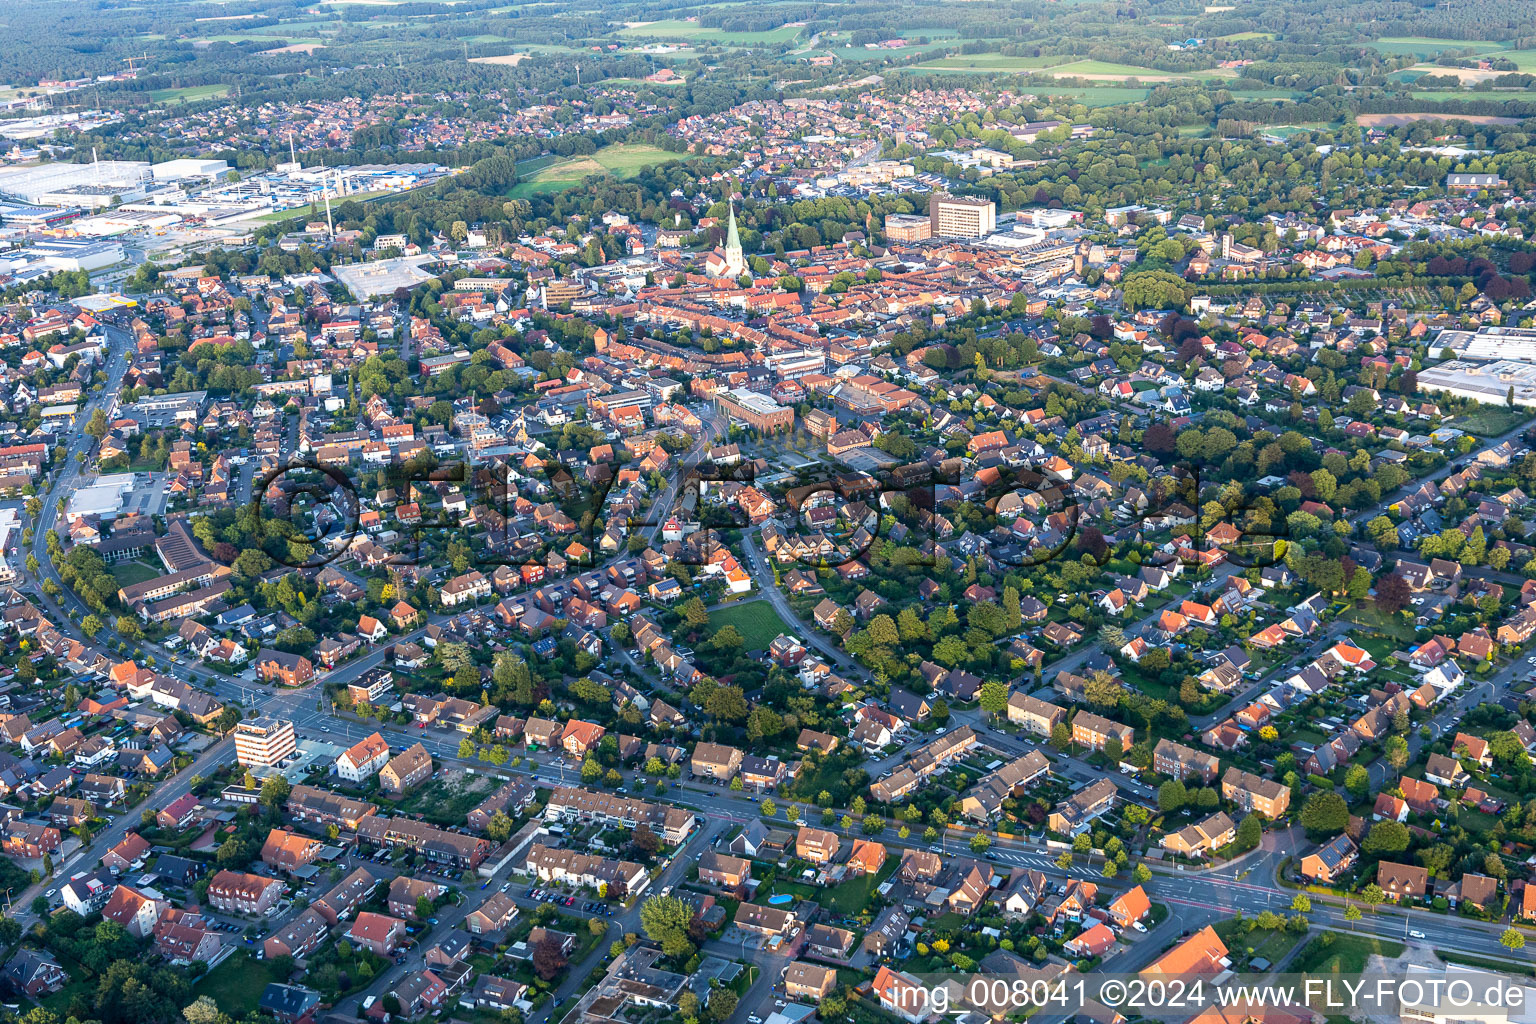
(853, 895)
(129, 573)
(191, 92)
(237, 983)
(554, 174)
(1395, 626)
(1338, 953)
(756, 621)
(1237, 37)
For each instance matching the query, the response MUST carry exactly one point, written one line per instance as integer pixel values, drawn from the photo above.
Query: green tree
(665, 920)
(993, 697)
(1324, 814)
(1386, 837)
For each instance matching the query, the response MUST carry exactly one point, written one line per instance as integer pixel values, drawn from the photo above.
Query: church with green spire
(728, 262)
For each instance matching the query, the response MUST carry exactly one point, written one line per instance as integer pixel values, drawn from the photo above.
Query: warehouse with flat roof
(1494, 383)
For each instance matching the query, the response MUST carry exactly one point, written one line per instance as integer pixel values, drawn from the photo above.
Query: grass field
(237, 983)
(1428, 46)
(129, 573)
(1346, 954)
(756, 621)
(1238, 37)
(552, 174)
(191, 92)
(853, 894)
(676, 28)
(1490, 420)
(1525, 60)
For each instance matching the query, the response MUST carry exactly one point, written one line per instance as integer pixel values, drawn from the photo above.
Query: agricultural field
(264, 36)
(860, 53)
(993, 62)
(1098, 70)
(1392, 120)
(1238, 37)
(551, 174)
(1444, 95)
(1059, 66)
(674, 28)
(1525, 60)
(1423, 46)
(1285, 131)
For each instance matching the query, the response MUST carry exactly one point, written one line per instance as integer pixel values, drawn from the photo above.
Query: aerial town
(765, 516)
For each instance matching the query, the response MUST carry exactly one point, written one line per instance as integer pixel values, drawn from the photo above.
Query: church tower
(735, 263)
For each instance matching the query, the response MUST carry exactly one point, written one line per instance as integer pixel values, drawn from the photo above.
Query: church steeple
(735, 263)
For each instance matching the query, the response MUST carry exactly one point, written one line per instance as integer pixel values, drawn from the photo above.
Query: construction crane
(129, 61)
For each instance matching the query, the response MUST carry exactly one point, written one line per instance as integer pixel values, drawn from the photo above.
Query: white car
(1415, 935)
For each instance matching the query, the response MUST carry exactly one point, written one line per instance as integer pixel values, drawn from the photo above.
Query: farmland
(692, 31)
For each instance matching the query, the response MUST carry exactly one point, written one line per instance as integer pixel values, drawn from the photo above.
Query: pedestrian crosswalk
(1022, 858)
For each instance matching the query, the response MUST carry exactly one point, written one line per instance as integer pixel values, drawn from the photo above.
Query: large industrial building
(382, 277)
(89, 185)
(1494, 383)
(1489, 343)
